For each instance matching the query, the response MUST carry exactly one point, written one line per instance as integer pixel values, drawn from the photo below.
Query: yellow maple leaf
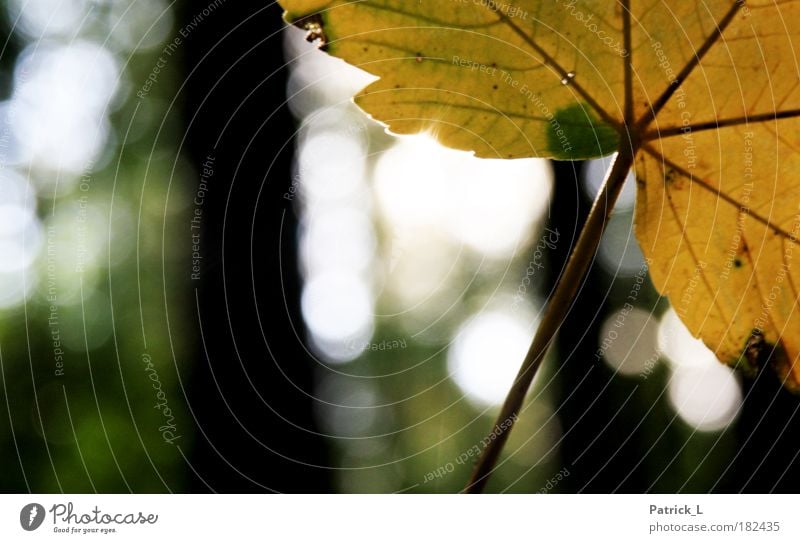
(702, 96)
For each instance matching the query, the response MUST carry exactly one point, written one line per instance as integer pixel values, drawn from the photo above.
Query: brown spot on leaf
(756, 353)
(759, 353)
(673, 178)
(755, 346)
(743, 248)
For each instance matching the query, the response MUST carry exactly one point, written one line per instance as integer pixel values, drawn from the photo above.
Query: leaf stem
(557, 309)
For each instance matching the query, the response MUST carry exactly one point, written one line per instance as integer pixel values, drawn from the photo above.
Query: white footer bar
(398, 518)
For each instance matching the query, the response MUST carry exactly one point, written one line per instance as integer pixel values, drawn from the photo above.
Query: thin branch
(662, 100)
(658, 133)
(557, 309)
(717, 191)
(628, 60)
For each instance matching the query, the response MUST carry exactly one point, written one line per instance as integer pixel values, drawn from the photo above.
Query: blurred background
(217, 275)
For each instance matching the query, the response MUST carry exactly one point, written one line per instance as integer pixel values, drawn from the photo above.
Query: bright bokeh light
(341, 238)
(60, 97)
(679, 346)
(15, 189)
(410, 184)
(139, 25)
(593, 176)
(330, 167)
(13, 287)
(630, 347)
(45, 18)
(707, 398)
(11, 152)
(55, 127)
(619, 252)
(20, 237)
(422, 272)
(337, 242)
(486, 354)
(341, 118)
(17, 213)
(490, 205)
(136, 25)
(705, 393)
(338, 311)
